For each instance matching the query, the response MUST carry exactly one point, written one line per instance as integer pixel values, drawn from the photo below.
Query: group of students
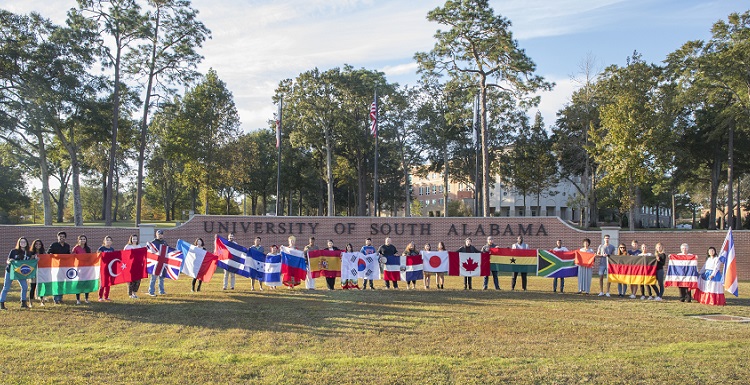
(25, 250)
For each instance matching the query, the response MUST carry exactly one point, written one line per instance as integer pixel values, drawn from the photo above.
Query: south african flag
(557, 264)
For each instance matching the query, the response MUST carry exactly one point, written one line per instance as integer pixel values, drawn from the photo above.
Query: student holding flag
(37, 247)
(309, 281)
(229, 277)
(82, 247)
(440, 277)
(710, 289)
(520, 245)
(273, 258)
(256, 246)
(331, 281)
(367, 249)
(661, 259)
(291, 283)
(559, 247)
(585, 273)
(411, 251)
(387, 250)
(105, 248)
(157, 242)
(486, 249)
(59, 247)
(198, 242)
(469, 248)
(136, 284)
(427, 247)
(603, 252)
(20, 253)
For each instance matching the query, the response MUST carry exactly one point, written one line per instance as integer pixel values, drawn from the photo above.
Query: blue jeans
(6, 287)
(153, 283)
(562, 284)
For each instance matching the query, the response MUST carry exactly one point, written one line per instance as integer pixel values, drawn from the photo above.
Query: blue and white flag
(238, 259)
(272, 276)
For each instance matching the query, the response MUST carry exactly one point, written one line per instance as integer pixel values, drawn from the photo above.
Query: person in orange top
(81, 247)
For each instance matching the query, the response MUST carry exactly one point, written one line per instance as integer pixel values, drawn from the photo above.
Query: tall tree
(123, 23)
(480, 44)
(168, 57)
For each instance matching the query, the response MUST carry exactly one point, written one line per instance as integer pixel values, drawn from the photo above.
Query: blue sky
(257, 43)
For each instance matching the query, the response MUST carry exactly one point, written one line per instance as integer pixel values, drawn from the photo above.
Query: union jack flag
(374, 118)
(164, 260)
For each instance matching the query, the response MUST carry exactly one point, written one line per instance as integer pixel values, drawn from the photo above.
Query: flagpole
(375, 132)
(278, 159)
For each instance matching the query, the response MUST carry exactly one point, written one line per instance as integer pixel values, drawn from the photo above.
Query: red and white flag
(435, 261)
(123, 266)
(469, 264)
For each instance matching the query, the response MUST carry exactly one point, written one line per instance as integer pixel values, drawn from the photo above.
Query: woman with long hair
(440, 277)
(135, 284)
(37, 247)
(106, 247)
(198, 242)
(411, 251)
(710, 289)
(19, 253)
(82, 247)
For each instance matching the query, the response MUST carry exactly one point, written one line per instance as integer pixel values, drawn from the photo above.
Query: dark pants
(331, 283)
(32, 290)
(467, 283)
(364, 283)
(78, 296)
(133, 287)
(199, 284)
(388, 284)
(494, 280)
(523, 280)
(562, 284)
(685, 295)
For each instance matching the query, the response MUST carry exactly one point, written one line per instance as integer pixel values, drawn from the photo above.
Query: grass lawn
(375, 337)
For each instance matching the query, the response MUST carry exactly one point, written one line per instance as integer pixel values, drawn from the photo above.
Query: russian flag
(682, 271)
(293, 266)
(728, 258)
(198, 263)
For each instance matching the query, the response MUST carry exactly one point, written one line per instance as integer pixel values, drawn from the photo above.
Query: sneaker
(650, 298)
(224, 288)
(601, 294)
(78, 302)
(101, 299)
(152, 294)
(657, 299)
(632, 296)
(607, 294)
(643, 297)
(134, 296)
(107, 300)
(163, 293)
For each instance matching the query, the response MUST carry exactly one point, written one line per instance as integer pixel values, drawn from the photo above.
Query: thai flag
(163, 261)
(728, 258)
(682, 271)
(234, 258)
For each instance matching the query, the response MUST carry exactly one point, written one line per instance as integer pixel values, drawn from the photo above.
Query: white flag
(435, 261)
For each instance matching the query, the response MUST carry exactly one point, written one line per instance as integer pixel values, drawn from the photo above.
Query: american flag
(164, 260)
(374, 118)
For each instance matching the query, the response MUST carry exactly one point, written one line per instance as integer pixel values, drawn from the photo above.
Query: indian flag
(60, 274)
(513, 260)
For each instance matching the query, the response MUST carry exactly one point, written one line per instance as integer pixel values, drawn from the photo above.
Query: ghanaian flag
(632, 269)
(325, 263)
(513, 260)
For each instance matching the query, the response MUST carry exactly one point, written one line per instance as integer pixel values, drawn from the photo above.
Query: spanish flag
(513, 260)
(325, 263)
(632, 269)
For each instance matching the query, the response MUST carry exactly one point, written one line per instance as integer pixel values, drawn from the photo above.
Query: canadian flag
(123, 266)
(469, 264)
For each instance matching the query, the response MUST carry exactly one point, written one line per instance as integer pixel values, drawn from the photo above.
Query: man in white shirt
(559, 247)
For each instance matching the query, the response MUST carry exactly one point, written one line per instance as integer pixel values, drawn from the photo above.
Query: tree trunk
(117, 195)
(113, 143)
(77, 206)
(715, 171)
(61, 201)
(329, 173)
(46, 200)
(144, 120)
(485, 150)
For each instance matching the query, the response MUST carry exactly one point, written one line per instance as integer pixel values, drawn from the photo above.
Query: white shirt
(521, 246)
(561, 248)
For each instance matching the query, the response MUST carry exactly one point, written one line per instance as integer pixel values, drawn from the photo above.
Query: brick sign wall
(538, 232)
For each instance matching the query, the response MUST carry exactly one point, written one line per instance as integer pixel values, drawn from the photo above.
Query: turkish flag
(123, 266)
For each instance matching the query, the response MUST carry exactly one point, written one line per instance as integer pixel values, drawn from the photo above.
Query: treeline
(643, 134)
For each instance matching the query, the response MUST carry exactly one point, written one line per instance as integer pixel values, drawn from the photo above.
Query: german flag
(513, 260)
(632, 269)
